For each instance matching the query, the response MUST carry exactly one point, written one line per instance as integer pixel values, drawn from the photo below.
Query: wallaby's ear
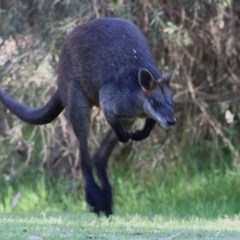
(167, 78)
(145, 79)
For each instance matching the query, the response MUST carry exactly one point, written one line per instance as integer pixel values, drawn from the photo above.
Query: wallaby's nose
(172, 122)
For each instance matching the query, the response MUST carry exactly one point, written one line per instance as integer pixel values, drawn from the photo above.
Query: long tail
(37, 116)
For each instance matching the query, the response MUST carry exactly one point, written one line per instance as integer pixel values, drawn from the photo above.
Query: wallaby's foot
(100, 200)
(107, 197)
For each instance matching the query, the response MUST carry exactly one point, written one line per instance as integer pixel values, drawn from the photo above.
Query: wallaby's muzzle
(171, 122)
(166, 123)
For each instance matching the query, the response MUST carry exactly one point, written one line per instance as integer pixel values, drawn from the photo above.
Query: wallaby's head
(157, 101)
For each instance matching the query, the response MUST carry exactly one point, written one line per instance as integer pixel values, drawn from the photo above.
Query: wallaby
(106, 62)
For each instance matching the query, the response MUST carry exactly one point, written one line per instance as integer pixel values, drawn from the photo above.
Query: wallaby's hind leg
(79, 115)
(100, 161)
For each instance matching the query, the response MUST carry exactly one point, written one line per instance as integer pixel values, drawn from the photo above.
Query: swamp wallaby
(107, 63)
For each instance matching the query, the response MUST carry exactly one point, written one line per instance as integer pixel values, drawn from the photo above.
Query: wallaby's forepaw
(124, 137)
(138, 135)
(100, 200)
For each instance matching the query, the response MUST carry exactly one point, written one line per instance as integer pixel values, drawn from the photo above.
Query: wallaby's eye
(155, 103)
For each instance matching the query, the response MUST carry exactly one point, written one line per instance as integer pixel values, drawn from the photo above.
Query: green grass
(62, 225)
(207, 195)
(211, 194)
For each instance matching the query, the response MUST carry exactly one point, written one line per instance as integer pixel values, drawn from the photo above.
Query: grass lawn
(69, 225)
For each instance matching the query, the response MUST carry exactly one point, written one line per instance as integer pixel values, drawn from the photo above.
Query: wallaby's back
(100, 50)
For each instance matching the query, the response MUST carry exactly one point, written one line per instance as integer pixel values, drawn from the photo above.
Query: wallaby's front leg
(145, 132)
(122, 135)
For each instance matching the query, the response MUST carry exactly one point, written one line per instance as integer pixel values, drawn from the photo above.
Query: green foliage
(176, 193)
